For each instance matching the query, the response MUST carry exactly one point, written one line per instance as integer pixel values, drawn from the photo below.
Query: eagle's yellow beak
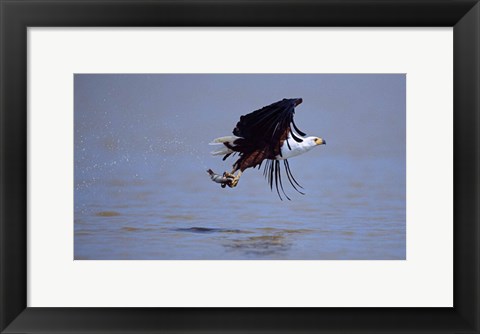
(320, 141)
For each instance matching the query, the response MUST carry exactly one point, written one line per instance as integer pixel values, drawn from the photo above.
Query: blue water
(347, 213)
(142, 191)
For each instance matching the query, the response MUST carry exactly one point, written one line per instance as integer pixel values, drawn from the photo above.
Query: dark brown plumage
(263, 132)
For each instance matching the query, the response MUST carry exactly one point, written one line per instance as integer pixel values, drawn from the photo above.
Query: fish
(222, 179)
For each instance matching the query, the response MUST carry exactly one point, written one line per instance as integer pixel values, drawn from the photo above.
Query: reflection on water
(264, 245)
(271, 243)
(209, 230)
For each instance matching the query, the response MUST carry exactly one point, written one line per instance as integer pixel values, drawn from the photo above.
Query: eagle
(267, 135)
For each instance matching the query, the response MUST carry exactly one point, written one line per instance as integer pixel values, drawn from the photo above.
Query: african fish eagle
(267, 135)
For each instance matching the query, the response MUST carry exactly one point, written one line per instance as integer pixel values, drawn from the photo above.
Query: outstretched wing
(269, 126)
(266, 129)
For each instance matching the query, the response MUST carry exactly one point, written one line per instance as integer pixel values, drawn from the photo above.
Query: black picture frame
(17, 15)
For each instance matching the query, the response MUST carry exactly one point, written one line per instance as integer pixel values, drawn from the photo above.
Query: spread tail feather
(224, 150)
(226, 139)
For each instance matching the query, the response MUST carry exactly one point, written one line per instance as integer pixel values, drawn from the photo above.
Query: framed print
(173, 149)
(110, 221)
(130, 136)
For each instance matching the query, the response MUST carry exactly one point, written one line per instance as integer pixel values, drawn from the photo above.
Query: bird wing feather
(269, 125)
(262, 134)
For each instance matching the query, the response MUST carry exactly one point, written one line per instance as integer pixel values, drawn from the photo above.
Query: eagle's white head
(294, 148)
(310, 142)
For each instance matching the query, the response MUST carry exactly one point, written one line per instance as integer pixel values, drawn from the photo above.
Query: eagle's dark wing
(262, 135)
(269, 125)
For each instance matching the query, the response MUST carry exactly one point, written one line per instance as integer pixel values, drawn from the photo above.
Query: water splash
(176, 146)
(194, 153)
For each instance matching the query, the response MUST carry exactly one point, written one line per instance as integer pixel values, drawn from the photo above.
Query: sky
(357, 114)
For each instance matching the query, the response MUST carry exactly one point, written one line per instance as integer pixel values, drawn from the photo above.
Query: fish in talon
(222, 179)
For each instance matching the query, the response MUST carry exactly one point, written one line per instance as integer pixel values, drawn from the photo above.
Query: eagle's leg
(231, 174)
(236, 179)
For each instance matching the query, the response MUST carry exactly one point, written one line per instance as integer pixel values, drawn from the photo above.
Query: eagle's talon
(235, 179)
(229, 175)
